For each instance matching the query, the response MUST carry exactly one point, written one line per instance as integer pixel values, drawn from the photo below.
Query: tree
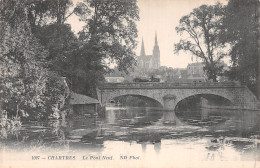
(108, 37)
(47, 20)
(258, 47)
(61, 42)
(112, 26)
(24, 78)
(184, 73)
(240, 32)
(48, 12)
(200, 30)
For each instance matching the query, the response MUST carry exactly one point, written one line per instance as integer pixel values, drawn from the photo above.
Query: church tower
(141, 59)
(156, 54)
(142, 54)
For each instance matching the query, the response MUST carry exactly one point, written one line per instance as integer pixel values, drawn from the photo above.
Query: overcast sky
(161, 16)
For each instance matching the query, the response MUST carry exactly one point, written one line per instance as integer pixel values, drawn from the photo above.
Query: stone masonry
(170, 94)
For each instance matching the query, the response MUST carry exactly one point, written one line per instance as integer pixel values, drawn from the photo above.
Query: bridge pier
(169, 102)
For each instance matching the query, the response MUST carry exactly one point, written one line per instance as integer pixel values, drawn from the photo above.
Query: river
(147, 136)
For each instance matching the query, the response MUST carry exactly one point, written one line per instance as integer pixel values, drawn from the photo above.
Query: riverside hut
(83, 104)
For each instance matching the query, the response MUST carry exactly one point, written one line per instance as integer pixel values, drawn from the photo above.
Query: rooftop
(195, 64)
(82, 99)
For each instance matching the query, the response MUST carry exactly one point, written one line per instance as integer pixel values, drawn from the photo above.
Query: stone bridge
(170, 94)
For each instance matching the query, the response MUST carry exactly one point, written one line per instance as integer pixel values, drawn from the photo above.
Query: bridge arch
(134, 95)
(227, 99)
(169, 94)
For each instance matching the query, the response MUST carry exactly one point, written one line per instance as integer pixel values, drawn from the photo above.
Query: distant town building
(195, 71)
(149, 62)
(114, 79)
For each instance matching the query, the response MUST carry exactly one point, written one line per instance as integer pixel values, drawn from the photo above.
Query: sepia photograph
(129, 84)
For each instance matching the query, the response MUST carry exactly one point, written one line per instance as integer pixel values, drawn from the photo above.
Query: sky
(161, 16)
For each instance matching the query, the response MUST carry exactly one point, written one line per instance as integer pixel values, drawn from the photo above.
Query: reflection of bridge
(170, 94)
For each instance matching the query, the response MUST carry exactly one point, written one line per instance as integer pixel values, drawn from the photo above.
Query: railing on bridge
(154, 85)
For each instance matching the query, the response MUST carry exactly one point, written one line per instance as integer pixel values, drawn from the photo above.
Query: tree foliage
(201, 29)
(112, 27)
(107, 38)
(48, 11)
(24, 76)
(241, 33)
(38, 47)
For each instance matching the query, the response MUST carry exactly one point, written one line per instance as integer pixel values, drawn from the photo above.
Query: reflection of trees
(143, 144)
(252, 151)
(135, 116)
(3, 133)
(215, 148)
(202, 100)
(241, 123)
(38, 135)
(257, 151)
(157, 147)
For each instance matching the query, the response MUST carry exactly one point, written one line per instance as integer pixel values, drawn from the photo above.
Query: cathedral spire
(156, 42)
(156, 53)
(142, 48)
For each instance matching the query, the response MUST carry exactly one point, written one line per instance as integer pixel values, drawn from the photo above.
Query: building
(114, 79)
(195, 71)
(83, 104)
(149, 62)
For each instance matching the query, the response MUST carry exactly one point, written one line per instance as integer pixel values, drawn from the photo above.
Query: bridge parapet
(170, 94)
(175, 85)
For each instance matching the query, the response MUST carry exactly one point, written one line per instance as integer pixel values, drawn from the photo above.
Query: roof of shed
(82, 99)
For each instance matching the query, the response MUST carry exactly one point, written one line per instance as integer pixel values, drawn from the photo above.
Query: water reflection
(216, 134)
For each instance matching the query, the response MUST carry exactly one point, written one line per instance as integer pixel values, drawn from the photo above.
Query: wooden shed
(83, 104)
